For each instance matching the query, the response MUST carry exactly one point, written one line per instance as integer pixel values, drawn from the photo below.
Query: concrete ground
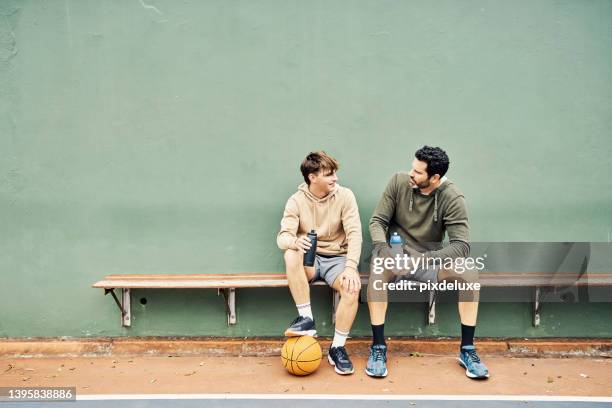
(414, 375)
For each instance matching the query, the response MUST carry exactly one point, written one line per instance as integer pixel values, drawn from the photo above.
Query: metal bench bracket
(123, 305)
(431, 317)
(229, 295)
(537, 307)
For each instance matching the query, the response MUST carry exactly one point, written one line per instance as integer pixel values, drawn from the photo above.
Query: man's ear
(311, 177)
(435, 178)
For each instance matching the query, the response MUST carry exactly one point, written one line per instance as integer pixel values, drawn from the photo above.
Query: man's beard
(421, 185)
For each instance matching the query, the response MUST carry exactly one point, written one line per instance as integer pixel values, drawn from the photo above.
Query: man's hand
(350, 281)
(383, 250)
(413, 253)
(302, 244)
(414, 256)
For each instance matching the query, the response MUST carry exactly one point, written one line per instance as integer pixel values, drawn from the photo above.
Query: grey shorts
(328, 268)
(420, 275)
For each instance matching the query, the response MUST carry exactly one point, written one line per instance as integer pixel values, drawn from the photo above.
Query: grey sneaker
(474, 368)
(377, 362)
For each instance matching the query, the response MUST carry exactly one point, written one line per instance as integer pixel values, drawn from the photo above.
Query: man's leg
(468, 314)
(377, 304)
(298, 277)
(378, 300)
(331, 269)
(347, 308)
(467, 305)
(378, 312)
(345, 315)
(377, 295)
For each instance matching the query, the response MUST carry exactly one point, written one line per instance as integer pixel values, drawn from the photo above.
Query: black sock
(378, 334)
(467, 335)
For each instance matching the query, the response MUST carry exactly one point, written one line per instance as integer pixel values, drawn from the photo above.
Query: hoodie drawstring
(328, 217)
(435, 217)
(314, 216)
(410, 205)
(435, 214)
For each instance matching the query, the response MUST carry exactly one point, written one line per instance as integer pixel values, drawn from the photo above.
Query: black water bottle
(309, 257)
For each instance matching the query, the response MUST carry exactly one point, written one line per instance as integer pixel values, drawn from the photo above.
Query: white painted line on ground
(539, 398)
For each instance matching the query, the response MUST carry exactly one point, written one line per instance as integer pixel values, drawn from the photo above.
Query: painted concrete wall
(164, 137)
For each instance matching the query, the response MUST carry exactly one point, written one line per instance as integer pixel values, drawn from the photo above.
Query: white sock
(304, 310)
(339, 338)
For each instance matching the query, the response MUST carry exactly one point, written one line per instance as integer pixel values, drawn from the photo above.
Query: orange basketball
(301, 355)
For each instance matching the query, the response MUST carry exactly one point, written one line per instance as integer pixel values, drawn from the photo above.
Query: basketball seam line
(306, 361)
(311, 344)
(292, 351)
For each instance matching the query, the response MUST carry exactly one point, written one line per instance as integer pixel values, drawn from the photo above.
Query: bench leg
(431, 317)
(536, 307)
(126, 319)
(335, 302)
(123, 305)
(229, 295)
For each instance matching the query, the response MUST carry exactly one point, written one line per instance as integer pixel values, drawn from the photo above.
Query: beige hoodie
(335, 218)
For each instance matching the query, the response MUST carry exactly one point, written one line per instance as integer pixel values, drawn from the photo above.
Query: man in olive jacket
(421, 206)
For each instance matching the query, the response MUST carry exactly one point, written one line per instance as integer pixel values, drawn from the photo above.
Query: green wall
(164, 137)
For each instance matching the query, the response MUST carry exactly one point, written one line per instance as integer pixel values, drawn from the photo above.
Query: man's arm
(456, 221)
(352, 228)
(289, 226)
(379, 223)
(349, 279)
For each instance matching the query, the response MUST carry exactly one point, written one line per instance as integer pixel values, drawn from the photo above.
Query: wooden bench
(535, 280)
(226, 285)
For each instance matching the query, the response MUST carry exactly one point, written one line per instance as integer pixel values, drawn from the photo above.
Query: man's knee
(349, 297)
(377, 289)
(469, 296)
(382, 275)
(469, 276)
(293, 258)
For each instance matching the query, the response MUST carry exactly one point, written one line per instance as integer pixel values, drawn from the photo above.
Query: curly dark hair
(436, 159)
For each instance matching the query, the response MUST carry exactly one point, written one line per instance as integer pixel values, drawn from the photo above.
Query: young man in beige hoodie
(322, 205)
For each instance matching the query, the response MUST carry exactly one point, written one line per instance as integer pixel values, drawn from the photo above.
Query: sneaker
(377, 362)
(474, 368)
(338, 357)
(301, 326)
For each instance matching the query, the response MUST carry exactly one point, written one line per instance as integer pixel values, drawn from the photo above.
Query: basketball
(301, 355)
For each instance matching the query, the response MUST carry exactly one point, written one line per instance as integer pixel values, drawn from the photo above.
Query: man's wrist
(413, 253)
(349, 273)
(294, 244)
(350, 268)
(379, 245)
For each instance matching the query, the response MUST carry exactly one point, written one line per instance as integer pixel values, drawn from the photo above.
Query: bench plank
(273, 280)
(226, 284)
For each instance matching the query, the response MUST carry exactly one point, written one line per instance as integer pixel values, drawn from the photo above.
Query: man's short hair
(436, 159)
(316, 162)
